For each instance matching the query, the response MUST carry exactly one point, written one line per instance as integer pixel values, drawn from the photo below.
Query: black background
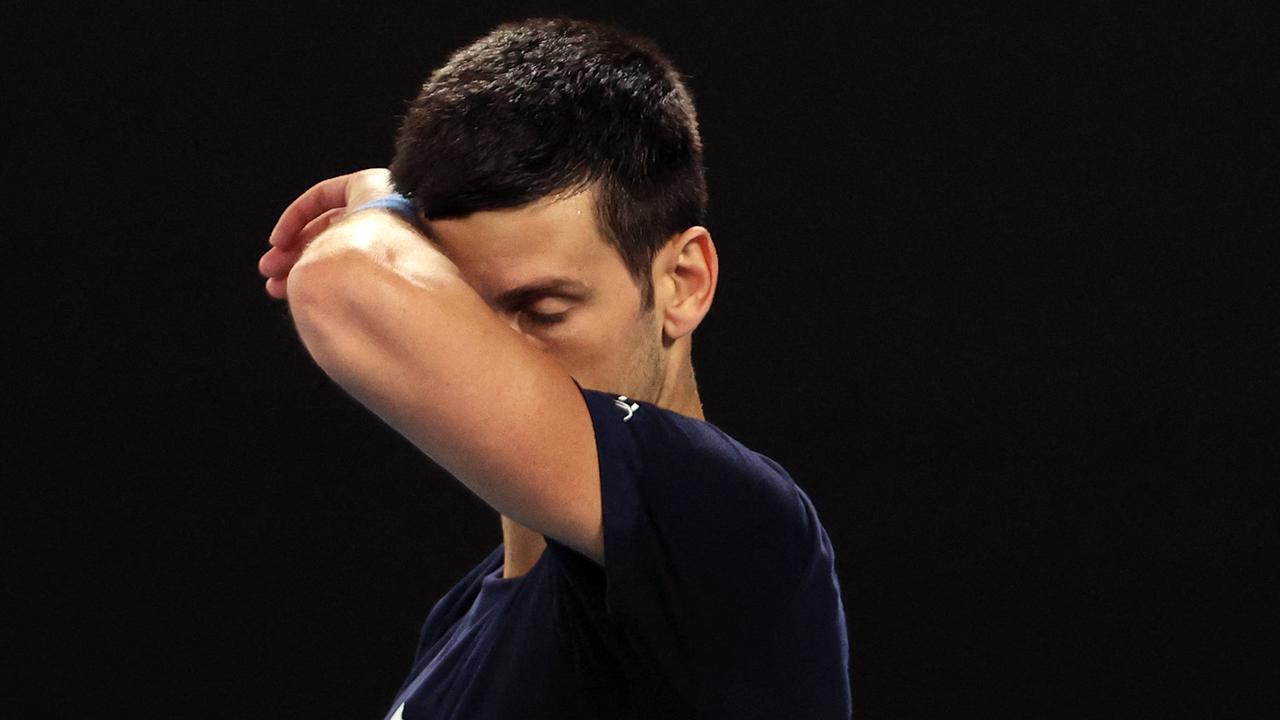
(996, 289)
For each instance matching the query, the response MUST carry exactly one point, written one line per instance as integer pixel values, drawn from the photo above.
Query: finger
(320, 224)
(278, 262)
(277, 287)
(320, 198)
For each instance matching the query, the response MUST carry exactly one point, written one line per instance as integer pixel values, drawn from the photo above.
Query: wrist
(396, 203)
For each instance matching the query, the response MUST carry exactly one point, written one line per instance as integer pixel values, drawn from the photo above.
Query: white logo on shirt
(399, 713)
(621, 402)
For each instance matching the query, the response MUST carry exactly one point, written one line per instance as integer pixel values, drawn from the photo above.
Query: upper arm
(437, 364)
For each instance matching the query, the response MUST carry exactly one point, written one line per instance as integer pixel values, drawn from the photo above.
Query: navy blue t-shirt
(718, 597)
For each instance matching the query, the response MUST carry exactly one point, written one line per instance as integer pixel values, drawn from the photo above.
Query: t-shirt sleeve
(707, 544)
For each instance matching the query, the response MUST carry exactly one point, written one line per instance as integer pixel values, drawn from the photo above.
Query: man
(523, 311)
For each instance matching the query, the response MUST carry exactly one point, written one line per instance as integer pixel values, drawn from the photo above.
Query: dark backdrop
(995, 290)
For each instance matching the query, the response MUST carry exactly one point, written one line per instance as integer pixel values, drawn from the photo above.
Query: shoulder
(454, 604)
(642, 438)
(640, 421)
(699, 524)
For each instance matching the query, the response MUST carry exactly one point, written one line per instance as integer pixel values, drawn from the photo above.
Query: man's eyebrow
(560, 286)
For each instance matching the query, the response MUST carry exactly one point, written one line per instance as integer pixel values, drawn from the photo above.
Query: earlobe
(691, 270)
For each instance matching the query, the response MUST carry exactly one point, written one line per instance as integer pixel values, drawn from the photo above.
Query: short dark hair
(543, 106)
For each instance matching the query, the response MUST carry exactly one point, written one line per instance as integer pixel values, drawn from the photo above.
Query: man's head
(542, 106)
(559, 148)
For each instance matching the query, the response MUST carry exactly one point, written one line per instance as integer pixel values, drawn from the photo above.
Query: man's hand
(311, 214)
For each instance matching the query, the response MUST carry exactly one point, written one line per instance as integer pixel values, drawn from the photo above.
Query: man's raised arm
(391, 320)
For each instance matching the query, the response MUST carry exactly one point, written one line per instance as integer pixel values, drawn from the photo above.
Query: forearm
(422, 350)
(393, 322)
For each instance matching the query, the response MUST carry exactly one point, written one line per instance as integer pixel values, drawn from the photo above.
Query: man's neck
(682, 397)
(521, 548)
(679, 392)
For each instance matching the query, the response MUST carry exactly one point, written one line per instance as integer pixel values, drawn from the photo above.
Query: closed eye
(546, 310)
(545, 318)
(544, 303)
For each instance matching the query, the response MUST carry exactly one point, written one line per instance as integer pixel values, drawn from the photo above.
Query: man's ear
(685, 276)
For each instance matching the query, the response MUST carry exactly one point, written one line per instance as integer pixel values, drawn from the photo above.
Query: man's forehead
(554, 244)
(550, 223)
